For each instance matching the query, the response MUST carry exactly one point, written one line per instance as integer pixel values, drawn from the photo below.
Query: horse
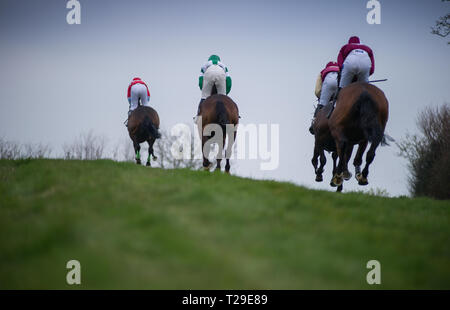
(143, 126)
(220, 110)
(360, 117)
(323, 141)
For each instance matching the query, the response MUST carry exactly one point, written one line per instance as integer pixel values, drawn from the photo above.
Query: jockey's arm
(228, 80)
(372, 68)
(340, 59)
(318, 89)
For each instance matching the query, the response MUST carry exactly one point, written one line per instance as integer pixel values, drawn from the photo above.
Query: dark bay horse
(143, 125)
(360, 117)
(222, 113)
(324, 141)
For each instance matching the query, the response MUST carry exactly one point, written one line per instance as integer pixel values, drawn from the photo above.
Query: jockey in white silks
(137, 92)
(326, 87)
(213, 73)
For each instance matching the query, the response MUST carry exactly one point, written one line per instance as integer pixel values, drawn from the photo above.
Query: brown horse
(360, 117)
(221, 111)
(324, 142)
(143, 125)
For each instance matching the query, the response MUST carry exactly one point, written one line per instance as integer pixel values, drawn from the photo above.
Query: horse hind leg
(205, 151)
(357, 162)
(334, 155)
(137, 152)
(314, 160)
(348, 154)
(229, 148)
(221, 145)
(150, 152)
(319, 171)
(218, 167)
(369, 159)
(338, 176)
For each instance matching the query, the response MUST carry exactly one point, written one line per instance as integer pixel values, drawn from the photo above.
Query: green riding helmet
(214, 58)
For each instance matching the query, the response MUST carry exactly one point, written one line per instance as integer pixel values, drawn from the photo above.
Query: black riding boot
(311, 129)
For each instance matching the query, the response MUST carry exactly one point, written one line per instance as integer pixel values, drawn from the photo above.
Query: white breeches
(329, 88)
(357, 64)
(214, 75)
(138, 91)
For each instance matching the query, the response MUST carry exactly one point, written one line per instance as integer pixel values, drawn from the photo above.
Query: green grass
(141, 228)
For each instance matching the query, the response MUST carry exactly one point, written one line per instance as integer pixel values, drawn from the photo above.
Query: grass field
(141, 228)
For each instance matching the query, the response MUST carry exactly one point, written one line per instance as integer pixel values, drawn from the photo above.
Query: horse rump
(151, 128)
(368, 118)
(222, 115)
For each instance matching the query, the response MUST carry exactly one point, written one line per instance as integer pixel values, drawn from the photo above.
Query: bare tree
(166, 159)
(9, 150)
(442, 27)
(36, 150)
(127, 150)
(13, 150)
(87, 146)
(428, 154)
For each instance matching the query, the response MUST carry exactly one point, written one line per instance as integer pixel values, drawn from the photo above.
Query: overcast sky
(58, 80)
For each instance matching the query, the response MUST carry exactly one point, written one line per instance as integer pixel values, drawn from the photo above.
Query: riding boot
(126, 121)
(334, 102)
(198, 110)
(311, 128)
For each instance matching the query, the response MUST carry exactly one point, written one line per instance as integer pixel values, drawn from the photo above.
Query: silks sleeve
(228, 82)
(318, 89)
(200, 82)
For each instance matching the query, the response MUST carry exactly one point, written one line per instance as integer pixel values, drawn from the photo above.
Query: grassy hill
(144, 228)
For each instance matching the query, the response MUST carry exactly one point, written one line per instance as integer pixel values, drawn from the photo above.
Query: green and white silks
(213, 73)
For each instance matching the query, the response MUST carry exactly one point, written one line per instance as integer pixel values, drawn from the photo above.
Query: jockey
(326, 87)
(356, 61)
(214, 72)
(137, 90)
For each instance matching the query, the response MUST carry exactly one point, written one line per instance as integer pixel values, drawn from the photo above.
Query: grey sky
(58, 80)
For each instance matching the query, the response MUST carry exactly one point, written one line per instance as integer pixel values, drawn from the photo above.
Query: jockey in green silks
(213, 73)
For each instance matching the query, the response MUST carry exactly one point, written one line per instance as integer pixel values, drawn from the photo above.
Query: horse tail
(222, 115)
(386, 139)
(151, 128)
(368, 117)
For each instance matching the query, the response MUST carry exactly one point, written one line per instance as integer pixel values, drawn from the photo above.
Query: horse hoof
(339, 189)
(319, 178)
(337, 180)
(361, 179)
(332, 184)
(347, 175)
(154, 157)
(207, 168)
(138, 162)
(148, 164)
